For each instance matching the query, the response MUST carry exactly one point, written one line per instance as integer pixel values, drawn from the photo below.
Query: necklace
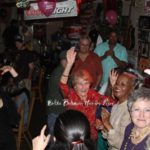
(136, 138)
(126, 144)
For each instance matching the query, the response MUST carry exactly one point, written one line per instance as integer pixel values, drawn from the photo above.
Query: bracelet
(64, 75)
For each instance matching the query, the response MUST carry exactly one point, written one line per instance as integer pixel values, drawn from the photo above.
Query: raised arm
(9, 69)
(71, 55)
(113, 75)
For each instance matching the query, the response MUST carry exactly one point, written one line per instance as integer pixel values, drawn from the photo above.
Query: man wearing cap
(24, 62)
(54, 97)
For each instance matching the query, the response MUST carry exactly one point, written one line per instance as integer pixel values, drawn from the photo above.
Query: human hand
(108, 53)
(40, 142)
(71, 55)
(105, 118)
(9, 69)
(113, 75)
(111, 47)
(99, 124)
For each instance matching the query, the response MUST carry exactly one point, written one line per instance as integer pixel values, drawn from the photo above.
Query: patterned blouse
(88, 107)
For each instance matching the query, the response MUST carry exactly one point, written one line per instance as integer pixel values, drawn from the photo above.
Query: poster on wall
(62, 9)
(147, 7)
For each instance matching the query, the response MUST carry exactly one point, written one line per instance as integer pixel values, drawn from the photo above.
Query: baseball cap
(18, 38)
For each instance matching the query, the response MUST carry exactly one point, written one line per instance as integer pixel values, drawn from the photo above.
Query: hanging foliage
(22, 3)
(78, 4)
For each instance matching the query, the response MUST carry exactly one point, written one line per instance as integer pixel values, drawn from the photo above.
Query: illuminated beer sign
(62, 9)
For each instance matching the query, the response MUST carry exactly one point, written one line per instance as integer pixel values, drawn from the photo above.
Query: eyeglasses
(137, 111)
(85, 45)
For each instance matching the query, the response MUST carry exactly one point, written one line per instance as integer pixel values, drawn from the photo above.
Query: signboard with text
(62, 9)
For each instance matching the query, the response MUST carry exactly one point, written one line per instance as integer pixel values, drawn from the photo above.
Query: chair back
(31, 106)
(21, 127)
(22, 132)
(37, 87)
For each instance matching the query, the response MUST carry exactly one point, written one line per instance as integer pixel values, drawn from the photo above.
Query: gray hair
(85, 37)
(142, 92)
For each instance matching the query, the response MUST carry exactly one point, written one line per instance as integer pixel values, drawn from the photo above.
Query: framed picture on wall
(145, 50)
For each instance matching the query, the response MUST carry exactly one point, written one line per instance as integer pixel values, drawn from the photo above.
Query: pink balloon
(111, 17)
(46, 6)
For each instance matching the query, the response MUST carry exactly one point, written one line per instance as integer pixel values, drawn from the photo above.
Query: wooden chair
(23, 132)
(37, 87)
(31, 106)
(19, 131)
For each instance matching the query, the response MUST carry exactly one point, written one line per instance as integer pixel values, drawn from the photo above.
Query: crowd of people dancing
(94, 100)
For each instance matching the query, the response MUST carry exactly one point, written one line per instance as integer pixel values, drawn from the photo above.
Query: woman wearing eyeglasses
(137, 133)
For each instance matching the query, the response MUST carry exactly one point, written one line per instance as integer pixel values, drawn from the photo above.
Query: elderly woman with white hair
(137, 133)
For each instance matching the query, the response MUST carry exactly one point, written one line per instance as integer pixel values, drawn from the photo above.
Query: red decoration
(111, 17)
(78, 4)
(46, 6)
